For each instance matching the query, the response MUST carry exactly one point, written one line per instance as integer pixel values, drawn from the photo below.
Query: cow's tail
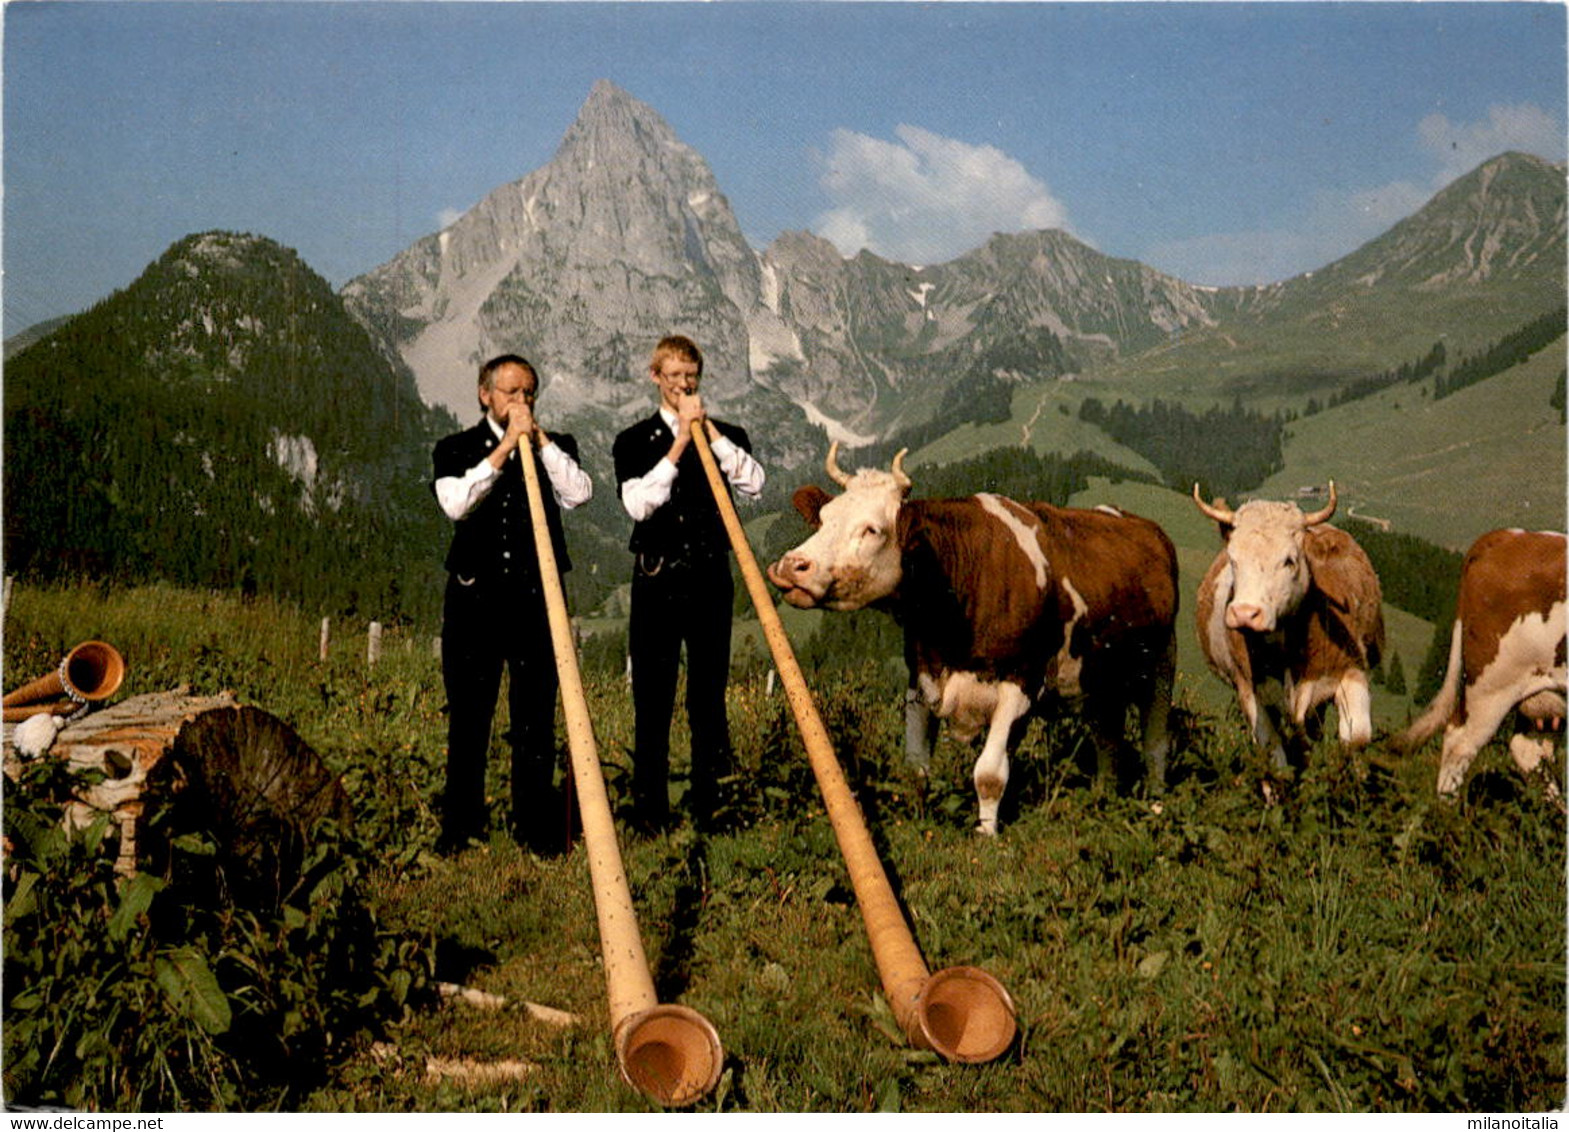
(1425, 726)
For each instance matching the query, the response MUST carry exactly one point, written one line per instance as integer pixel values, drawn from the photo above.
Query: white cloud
(1338, 222)
(926, 198)
(1461, 148)
(447, 217)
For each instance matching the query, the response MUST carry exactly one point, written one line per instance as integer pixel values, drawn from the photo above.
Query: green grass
(1492, 455)
(1046, 418)
(1308, 346)
(1359, 946)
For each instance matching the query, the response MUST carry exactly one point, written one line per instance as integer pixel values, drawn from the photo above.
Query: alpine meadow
(1324, 934)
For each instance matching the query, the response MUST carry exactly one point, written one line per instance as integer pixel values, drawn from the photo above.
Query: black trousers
(484, 626)
(675, 605)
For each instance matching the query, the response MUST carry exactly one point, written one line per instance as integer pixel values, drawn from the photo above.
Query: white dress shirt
(645, 494)
(458, 495)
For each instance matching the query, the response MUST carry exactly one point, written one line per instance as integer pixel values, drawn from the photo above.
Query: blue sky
(1221, 142)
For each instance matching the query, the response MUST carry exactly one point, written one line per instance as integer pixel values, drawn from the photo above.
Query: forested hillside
(222, 423)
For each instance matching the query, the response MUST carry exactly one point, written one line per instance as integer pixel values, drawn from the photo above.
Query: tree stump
(236, 773)
(250, 781)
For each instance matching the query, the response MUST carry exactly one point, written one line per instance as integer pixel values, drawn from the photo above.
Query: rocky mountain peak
(581, 267)
(615, 128)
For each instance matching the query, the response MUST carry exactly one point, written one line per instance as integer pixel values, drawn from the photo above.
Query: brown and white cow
(1290, 614)
(1003, 605)
(1506, 652)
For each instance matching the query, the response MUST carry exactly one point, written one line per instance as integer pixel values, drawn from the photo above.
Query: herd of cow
(1009, 606)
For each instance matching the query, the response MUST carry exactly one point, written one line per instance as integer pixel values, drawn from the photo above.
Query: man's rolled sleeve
(458, 495)
(568, 480)
(645, 494)
(739, 466)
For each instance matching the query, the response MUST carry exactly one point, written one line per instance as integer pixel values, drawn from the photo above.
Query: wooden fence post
(373, 644)
(325, 634)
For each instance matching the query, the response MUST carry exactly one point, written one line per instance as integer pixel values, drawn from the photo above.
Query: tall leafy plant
(148, 993)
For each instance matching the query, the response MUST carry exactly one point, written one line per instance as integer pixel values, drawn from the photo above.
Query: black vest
(495, 541)
(687, 528)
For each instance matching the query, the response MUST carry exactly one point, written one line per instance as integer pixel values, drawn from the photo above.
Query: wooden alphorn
(90, 673)
(962, 1013)
(668, 1052)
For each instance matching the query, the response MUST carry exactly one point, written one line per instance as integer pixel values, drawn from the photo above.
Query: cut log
(236, 773)
(468, 1071)
(464, 1070)
(484, 1000)
(124, 741)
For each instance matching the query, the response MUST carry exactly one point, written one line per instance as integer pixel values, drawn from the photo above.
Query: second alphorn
(89, 674)
(962, 1013)
(668, 1052)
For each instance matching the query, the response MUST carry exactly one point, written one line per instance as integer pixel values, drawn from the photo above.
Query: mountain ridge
(247, 396)
(625, 236)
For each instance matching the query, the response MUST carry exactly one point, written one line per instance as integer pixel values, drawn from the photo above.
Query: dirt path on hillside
(1024, 440)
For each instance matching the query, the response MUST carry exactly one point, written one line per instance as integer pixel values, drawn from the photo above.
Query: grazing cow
(1506, 652)
(1001, 604)
(1290, 614)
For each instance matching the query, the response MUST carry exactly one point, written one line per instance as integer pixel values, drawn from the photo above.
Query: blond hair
(677, 346)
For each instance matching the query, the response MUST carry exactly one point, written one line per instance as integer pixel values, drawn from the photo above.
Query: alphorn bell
(90, 672)
(668, 1052)
(961, 1013)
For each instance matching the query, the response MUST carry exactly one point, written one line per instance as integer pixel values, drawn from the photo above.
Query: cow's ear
(809, 502)
(1339, 572)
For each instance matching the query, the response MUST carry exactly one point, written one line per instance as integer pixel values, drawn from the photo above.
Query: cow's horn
(1223, 515)
(835, 473)
(1322, 516)
(899, 475)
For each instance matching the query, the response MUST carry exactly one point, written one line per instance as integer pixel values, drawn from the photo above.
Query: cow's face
(1269, 567)
(853, 559)
(1266, 548)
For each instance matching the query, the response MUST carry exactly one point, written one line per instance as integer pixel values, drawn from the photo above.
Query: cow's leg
(1261, 715)
(991, 768)
(1354, 705)
(1485, 704)
(1247, 701)
(1310, 700)
(920, 730)
(1460, 747)
(1106, 713)
(1155, 718)
(1462, 741)
(1530, 752)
